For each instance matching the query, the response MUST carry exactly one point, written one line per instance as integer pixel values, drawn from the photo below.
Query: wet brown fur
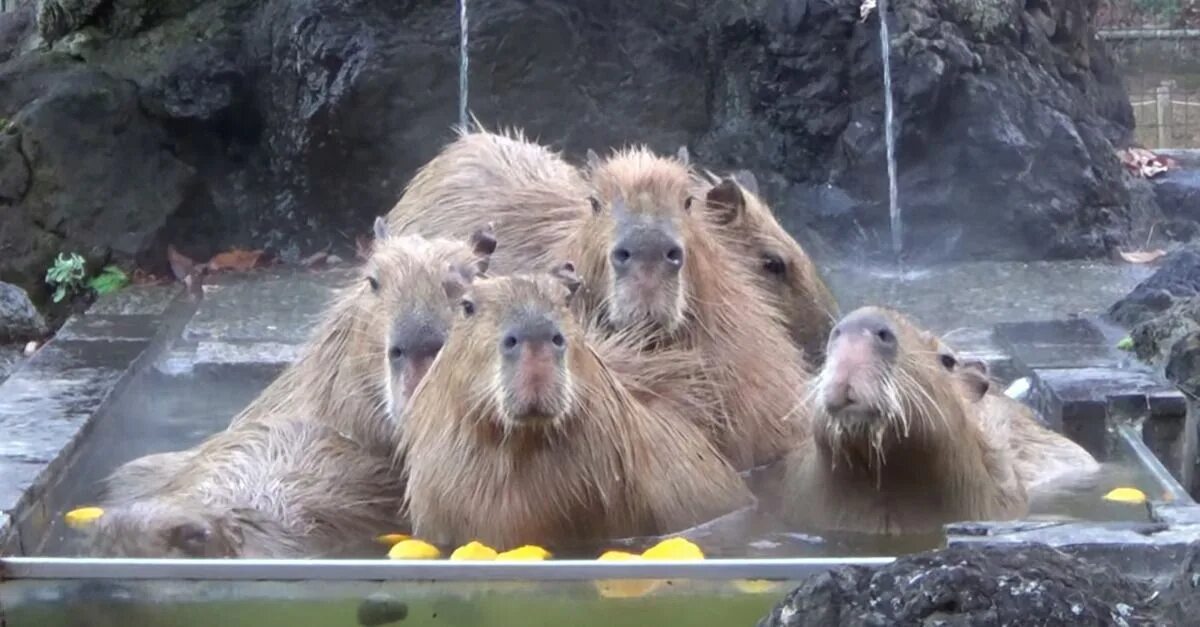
(759, 375)
(294, 489)
(609, 466)
(798, 292)
(925, 460)
(341, 373)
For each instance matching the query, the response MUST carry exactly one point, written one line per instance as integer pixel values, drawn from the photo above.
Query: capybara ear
(683, 156)
(565, 272)
(978, 365)
(483, 241)
(381, 229)
(747, 180)
(593, 159)
(454, 283)
(190, 537)
(726, 202)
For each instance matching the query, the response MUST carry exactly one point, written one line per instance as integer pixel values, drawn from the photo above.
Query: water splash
(463, 31)
(889, 132)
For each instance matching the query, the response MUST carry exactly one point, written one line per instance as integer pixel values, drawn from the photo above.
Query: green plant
(66, 275)
(1126, 344)
(110, 279)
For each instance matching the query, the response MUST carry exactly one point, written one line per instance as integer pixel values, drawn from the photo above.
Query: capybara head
(883, 382)
(518, 335)
(643, 204)
(154, 528)
(972, 374)
(416, 284)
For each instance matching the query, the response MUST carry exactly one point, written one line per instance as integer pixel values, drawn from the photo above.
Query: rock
(94, 174)
(19, 319)
(1177, 278)
(1183, 363)
(1023, 585)
(290, 123)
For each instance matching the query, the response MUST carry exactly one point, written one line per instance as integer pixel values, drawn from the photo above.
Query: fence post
(1164, 113)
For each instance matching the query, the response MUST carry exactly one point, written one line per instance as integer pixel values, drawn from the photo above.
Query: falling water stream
(462, 64)
(889, 133)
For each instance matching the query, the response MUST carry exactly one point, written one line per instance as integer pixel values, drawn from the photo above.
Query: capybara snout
(859, 347)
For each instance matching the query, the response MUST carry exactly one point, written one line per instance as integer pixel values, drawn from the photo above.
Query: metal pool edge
(19, 568)
(1133, 439)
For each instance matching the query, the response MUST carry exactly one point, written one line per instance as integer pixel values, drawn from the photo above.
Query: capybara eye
(374, 283)
(687, 204)
(675, 255)
(559, 340)
(885, 336)
(948, 362)
(396, 353)
(621, 255)
(774, 265)
(510, 342)
(595, 204)
(468, 308)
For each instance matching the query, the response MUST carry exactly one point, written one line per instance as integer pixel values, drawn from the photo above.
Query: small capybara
(668, 267)
(284, 489)
(521, 434)
(404, 299)
(649, 263)
(789, 276)
(897, 445)
(1047, 462)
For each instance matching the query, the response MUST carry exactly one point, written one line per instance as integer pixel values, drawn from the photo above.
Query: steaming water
(889, 133)
(157, 413)
(463, 32)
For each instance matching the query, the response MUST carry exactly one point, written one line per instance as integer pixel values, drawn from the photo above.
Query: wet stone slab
(141, 327)
(1067, 343)
(279, 308)
(137, 300)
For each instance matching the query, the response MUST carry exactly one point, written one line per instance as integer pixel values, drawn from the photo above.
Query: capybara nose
(649, 248)
(870, 326)
(532, 333)
(837, 397)
(415, 338)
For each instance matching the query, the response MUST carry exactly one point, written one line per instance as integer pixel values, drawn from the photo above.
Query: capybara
(897, 445)
(1047, 462)
(648, 261)
(294, 489)
(789, 276)
(521, 434)
(405, 298)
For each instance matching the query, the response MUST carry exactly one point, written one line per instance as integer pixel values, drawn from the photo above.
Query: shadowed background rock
(291, 123)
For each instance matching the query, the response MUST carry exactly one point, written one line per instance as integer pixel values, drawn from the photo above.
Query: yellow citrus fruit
(674, 549)
(527, 553)
(624, 588)
(392, 539)
(473, 552)
(1126, 495)
(414, 550)
(82, 517)
(755, 586)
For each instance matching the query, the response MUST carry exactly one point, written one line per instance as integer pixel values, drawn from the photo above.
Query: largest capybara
(287, 489)
(649, 261)
(897, 445)
(521, 434)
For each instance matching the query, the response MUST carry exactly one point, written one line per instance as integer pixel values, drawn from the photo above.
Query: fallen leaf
(181, 264)
(1142, 256)
(1143, 163)
(315, 259)
(363, 246)
(235, 260)
(141, 277)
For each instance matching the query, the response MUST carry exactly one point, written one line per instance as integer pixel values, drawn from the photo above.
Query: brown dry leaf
(1142, 256)
(181, 265)
(363, 246)
(235, 260)
(1143, 163)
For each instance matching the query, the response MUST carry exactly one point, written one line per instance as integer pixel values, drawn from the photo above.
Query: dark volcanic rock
(19, 319)
(1178, 278)
(291, 123)
(1031, 585)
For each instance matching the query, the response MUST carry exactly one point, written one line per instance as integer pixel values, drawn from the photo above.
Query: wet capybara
(1047, 462)
(667, 267)
(789, 276)
(649, 264)
(283, 489)
(521, 434)
(406, 295)
(897, 445)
